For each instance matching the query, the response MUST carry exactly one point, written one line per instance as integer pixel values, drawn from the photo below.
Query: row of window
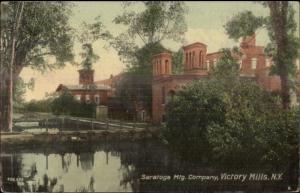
(253, 63)
(159, 68)
(190, 59)
(88, 98)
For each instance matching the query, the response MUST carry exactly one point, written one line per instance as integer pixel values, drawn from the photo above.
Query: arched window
(193, 58)
(207, 64)
(253, 63)
(200, 58)
(166, 66)
(190, 59)
(268, 62)
(97, 99)
(186, 59)
(87, 98)
(160, 67)
(240, 64)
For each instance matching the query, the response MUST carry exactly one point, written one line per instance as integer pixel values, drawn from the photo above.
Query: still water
(111, 166)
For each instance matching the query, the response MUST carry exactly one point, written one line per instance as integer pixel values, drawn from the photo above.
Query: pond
(117, 166)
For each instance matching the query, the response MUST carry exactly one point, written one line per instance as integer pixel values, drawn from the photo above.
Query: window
(87, 98)
(97, 99)
(186, 59)
(193, 59)
(77, 97)
(240, 63)
(268, 62)
(200, 58)
(253, 63)
(166, 66)
(190, 59)
(215, 62)
(207, 64)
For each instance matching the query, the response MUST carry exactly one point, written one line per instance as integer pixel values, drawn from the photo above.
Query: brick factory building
(254, 64)
(87, 90)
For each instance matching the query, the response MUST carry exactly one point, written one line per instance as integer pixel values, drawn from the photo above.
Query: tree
(43, 34)
(284, 45)
(177, 62)
(228, 120)
(64, 104)
(88, 56)
(146, 30)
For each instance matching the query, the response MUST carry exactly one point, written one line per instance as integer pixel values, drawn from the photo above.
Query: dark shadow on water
(114, 166)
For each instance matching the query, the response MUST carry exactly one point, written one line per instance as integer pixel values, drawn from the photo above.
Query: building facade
(198, 64)
(87, 90)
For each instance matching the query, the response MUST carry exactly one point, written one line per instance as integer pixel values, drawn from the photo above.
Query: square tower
(162, 64)
(195, 58)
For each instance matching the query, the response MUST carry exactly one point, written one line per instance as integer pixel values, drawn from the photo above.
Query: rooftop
(84, 87)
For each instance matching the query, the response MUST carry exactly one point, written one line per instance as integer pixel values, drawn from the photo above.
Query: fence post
(107, 125)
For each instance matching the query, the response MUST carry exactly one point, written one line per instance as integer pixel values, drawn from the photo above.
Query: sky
(204, 20)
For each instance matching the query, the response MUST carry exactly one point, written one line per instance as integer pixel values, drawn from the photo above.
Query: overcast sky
(205, 22)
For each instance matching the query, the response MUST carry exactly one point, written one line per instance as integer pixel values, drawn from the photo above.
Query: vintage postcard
(150, 96)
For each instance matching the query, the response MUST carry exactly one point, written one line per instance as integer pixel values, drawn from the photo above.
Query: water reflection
(102, 167)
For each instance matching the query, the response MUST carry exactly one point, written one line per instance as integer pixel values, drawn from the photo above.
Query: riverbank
(62, 137)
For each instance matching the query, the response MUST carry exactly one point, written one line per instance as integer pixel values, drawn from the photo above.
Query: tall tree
(284, 44)
(43, 41)
(146, 29)
(283, 47)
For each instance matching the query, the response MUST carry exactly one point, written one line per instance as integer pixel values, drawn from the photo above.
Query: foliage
(38, 105)
(227, 67)
(243, 24)
(89, 57)
(146, 29)
(66, 104)
(160, 20)
(157, 22)
(44, 32)
(33, 34)
(20, 87)
(284, 45)
(177, 62)
(134, 90)
(227, 120)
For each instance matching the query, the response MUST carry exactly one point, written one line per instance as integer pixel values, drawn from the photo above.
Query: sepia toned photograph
(150, 96)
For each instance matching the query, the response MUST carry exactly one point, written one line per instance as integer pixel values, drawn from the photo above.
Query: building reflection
(145, 157)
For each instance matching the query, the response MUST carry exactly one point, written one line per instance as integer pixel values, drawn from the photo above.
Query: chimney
(86, 76)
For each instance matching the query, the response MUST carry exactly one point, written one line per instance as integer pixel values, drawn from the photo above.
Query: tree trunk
(299, 125)
(285, 92)
(279, 16)
(11, 67)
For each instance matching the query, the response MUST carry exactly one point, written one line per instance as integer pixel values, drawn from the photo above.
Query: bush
(66, 104)
(231, 121)
(238, 124)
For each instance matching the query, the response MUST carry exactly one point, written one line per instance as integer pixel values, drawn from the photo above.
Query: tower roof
(196, 44)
